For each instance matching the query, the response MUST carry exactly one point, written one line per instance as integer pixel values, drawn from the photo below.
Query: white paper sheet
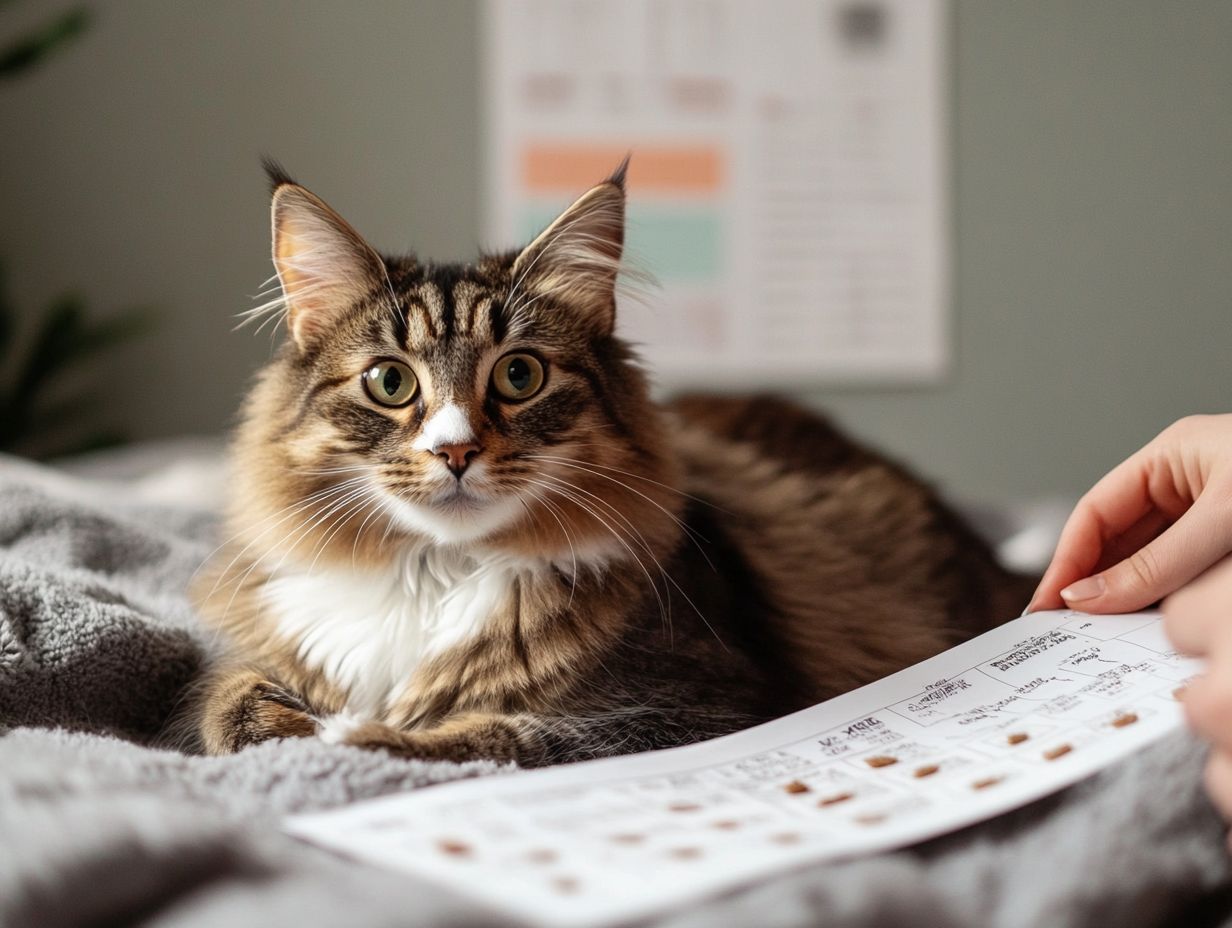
(988, 726)
(788, 183)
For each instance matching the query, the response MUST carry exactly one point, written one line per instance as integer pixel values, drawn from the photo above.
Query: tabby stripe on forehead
(426, 315)
(496, 321)
(448, 312)
(376, 328)
(401, 325)
(466, 311)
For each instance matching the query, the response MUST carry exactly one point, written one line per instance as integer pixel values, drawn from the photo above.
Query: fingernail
(1084, 590)
(1028, 609)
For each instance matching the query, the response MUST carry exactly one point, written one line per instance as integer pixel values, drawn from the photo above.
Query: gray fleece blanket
(100, 826)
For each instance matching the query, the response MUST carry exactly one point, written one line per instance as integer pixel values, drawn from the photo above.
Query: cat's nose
(457, 456)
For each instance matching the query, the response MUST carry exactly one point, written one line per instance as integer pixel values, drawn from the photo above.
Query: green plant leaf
(125, 325)
(67, 337)
(26, 52)
(52, 347)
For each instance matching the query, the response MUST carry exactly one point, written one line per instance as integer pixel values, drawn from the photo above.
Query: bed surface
(99, 826)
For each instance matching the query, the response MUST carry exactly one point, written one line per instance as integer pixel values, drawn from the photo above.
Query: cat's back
(769, 427)
(864, 568)
(766, 457)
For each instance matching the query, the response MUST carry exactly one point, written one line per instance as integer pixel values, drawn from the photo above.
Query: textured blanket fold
(100, 826)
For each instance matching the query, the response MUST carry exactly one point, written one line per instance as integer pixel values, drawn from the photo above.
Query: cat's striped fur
(606, 575)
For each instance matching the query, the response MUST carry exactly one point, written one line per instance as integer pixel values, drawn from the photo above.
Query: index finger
(1117, 502)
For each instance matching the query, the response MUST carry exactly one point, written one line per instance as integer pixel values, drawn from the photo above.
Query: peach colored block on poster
(562, 167)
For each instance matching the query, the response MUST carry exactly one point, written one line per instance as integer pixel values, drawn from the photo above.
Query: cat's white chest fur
(367, 631)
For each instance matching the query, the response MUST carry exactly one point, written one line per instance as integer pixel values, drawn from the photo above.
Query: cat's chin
(457, 518)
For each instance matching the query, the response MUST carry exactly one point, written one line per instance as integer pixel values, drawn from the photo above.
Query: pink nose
(457, 457)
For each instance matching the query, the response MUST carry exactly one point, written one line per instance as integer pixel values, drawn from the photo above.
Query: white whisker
(665, 611)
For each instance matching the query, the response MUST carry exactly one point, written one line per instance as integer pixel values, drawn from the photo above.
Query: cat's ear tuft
(618, 175)
(577, 258)
(276, 173)
(324, 266)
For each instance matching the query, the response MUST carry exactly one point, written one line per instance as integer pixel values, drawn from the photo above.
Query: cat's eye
(390, 383)
(518, 376)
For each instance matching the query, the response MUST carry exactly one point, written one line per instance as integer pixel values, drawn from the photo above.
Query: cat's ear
(576, 259)
(324, 266)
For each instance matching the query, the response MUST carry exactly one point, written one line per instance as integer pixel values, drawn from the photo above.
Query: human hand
(1198, 621)
(1150, 526)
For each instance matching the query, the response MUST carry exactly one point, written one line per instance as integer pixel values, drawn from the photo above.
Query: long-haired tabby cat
(464, 530)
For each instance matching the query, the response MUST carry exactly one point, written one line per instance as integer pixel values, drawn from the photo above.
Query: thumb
(1193, 543)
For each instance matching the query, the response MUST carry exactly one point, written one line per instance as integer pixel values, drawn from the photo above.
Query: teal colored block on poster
(672, 243)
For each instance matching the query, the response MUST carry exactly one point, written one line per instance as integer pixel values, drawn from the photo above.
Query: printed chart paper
(788, 181)
(1018, 713)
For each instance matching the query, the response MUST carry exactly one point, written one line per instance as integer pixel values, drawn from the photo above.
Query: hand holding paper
(1150, 526)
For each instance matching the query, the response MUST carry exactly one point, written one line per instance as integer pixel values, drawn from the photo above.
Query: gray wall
(1092, 150)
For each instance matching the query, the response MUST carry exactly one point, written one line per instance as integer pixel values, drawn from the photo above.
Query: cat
(463, 529)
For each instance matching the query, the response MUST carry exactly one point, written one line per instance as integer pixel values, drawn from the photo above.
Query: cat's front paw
(375, 736)
(466, 738)
(260, 712)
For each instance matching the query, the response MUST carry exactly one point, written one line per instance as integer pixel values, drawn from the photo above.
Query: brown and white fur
(577, 573)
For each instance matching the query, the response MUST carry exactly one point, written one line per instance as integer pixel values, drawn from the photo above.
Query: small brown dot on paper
(1126, 719)
(835, 799)
(986, 782)
(542, 855)
(565, 884)
(1059, 751)
(727, 824)
(453, 847)
(786, 837)
(684, 807)
(1017, 737)
(628, 838)
(795, 787)
(872, 818)
(926, 771)
(881, 760)
(686, 853)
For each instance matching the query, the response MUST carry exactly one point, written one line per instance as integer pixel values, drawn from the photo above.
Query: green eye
(390, 383)
(517, 376)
